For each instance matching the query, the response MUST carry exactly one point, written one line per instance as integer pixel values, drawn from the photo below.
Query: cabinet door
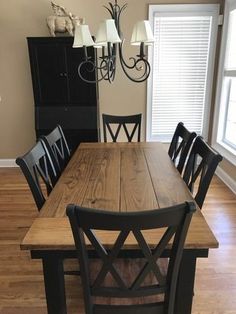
(80, 92)
(51, 76)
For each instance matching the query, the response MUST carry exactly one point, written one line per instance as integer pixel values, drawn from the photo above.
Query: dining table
(117, 177)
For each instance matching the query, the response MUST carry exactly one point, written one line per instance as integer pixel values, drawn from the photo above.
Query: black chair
(38, 168)
(201, 165)
(58, 149)
(172, 222)
(180, 145)
(122, 121)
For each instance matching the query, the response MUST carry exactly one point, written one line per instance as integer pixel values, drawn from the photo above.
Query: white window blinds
(180, 72)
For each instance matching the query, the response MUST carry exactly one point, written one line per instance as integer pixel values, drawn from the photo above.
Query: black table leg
(54, 284)
(185, 285)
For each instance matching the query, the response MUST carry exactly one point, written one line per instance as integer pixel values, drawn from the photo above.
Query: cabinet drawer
(74, 118)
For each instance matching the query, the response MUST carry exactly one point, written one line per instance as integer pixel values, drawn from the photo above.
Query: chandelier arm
(112, 64)
(144, 63)
(110, 69)
(109, 72)
(136, 62)
(94, 67)
(143, 77)
(147, 68)
(105, 68)
(103, 76)
(113, 71)
(147, 71)
(123, 60)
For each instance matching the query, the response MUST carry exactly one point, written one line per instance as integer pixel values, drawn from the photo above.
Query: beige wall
(25, 18)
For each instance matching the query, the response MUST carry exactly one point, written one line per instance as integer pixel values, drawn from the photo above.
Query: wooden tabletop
(116, 177)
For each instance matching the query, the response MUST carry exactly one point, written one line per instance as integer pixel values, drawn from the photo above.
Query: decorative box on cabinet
(60, 96)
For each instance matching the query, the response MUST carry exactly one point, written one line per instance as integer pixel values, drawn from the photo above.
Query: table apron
(65, 254)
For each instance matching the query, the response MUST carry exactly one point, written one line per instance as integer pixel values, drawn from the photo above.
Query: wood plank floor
(21, 281)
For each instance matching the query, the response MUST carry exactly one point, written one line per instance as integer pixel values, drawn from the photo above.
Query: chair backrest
(122, 121)
(201, 165)
(38, 169)
(172, 222)
(58, 149)
(180, 145)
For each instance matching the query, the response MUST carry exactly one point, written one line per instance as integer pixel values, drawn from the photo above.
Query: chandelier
(109, 44)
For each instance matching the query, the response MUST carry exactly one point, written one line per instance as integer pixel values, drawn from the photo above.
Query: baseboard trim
(231, 183)
(7, 163)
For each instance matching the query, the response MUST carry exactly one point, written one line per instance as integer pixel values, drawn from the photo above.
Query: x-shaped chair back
(38, 168)
(58, 149)
(172, 222)
(201, 166)
(180, 145)
(119, 122)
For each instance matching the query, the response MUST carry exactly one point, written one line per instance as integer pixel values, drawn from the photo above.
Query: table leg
(54, 284)
(185, 285)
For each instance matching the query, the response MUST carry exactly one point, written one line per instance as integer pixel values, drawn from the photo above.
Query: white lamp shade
(82, 36)
(142, 32)
(107, 32)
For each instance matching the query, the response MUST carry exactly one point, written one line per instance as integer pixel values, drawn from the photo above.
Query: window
(229, 136)
(182, 59)
(224, 132)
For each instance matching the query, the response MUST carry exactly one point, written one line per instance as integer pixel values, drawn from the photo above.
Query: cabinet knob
(63, 74)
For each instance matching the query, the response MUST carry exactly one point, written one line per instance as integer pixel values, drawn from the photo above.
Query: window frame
(204, 9)
(221, 103)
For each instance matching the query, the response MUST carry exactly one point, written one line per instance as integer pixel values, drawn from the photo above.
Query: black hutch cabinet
(60, 96)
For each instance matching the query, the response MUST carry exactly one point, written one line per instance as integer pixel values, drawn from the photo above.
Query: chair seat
(128, 269)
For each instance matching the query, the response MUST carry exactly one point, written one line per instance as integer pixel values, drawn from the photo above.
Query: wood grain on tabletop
(117, 176)
(137, 191)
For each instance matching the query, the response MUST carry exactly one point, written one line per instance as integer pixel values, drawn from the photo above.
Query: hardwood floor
(215, 288)
(21, 281)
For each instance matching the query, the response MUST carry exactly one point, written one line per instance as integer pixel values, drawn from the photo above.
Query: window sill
(226, 151)
(161, 139)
